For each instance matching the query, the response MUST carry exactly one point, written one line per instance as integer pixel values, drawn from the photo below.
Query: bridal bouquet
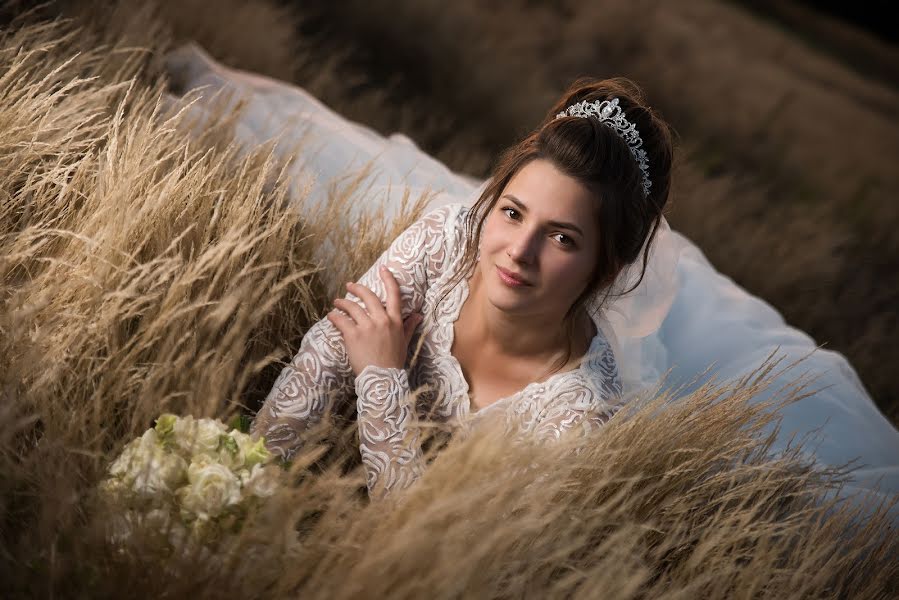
(186, 483)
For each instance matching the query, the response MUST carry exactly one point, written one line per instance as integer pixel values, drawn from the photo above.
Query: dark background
(873, 16)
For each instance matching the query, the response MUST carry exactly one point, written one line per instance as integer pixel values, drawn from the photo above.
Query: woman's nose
(524, 247)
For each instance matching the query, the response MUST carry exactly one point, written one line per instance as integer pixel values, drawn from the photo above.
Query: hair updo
(594, 154)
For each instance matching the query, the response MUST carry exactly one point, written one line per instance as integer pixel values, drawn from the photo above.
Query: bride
(514, 283)
(542, 297)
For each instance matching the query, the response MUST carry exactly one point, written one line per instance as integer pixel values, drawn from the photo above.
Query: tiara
(609, 112)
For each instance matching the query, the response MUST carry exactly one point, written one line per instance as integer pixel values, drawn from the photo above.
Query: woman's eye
(564, 240)
(513, 214)
(509, 210)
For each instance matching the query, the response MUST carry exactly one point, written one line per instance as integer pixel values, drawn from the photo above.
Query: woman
(682, 317)
(514, 286)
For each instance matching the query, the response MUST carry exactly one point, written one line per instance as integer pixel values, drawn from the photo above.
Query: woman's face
(543, 230)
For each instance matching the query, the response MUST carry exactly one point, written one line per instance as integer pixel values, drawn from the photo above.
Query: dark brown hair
(595, 155)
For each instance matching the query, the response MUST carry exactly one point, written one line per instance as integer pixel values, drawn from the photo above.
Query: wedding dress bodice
(390, 401)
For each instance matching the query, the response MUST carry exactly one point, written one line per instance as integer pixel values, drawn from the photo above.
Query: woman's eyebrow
(559, 224)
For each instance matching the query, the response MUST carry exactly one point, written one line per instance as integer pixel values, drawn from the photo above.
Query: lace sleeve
(318, 373)
(320, 370)
(388, 432)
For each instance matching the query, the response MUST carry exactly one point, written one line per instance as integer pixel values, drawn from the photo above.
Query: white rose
(156, 472)
(122, 464)
(133, 452)
(122, 527)
(148, 440)
(197, 436)
(213, 488)
(262, 482)
(147, 469)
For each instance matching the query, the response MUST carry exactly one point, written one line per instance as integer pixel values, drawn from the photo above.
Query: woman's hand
(374, 335)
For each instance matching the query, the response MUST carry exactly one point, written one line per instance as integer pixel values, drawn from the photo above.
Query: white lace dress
(423, 259)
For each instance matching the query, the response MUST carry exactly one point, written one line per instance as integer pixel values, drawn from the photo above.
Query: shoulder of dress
(602, 370)
(444, 221)
(456, 225)
(597, 382)
(446, 214)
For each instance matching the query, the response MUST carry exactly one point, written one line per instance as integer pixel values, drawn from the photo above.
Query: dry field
(145, 270)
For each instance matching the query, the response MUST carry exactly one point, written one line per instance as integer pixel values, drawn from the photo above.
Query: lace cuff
(388, 430)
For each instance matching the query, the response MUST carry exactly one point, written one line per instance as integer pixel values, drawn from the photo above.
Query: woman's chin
(503, 296)
(508, 299)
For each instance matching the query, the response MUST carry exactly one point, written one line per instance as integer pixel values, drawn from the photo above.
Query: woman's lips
(509, 279)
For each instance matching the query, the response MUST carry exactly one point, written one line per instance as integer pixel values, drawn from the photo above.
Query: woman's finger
(372, 303)
(341, 322)
(394, 298)
(356, 312)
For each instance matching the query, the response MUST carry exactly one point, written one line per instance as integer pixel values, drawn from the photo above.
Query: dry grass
(139, 274)
(144, 272)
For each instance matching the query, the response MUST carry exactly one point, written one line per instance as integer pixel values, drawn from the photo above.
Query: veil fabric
(683, 317)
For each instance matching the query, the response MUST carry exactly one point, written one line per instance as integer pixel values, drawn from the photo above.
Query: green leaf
(229, 444)
(241, 423)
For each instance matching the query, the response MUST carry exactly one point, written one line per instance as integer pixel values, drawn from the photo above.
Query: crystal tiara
(610, 113)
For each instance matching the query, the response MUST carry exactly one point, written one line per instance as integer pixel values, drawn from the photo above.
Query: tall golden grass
(146, 270)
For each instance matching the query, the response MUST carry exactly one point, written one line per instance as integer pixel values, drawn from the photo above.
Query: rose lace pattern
(423, 259)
